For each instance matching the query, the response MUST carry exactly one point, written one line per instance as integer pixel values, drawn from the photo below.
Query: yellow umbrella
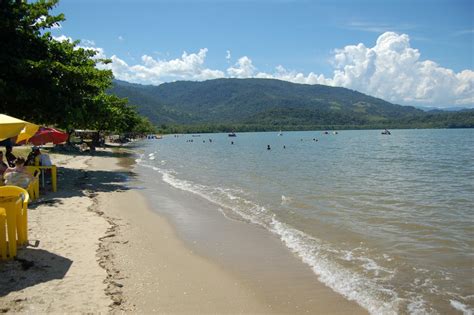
(11, 127)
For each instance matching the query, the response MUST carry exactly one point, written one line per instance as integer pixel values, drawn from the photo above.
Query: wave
(326, 261)
(461, 307)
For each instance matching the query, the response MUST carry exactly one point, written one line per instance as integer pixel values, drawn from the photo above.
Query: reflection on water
(384, 220)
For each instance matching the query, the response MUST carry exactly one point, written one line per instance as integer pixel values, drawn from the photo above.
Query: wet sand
(103, 247)
(277, 277)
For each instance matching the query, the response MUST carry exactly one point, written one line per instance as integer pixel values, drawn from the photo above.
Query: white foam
(313, 252)
(351, 285)
(461, 307)
(417, 306)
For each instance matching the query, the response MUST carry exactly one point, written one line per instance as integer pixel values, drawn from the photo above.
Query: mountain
(442, 109)
(265, 104)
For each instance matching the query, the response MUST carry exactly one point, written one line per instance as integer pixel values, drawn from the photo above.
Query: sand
(97, 248)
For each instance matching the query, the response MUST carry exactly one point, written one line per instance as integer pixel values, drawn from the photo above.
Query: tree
(54, 82)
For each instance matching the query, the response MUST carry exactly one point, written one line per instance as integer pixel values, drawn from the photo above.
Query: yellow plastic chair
(3, 237)
(33, 187)
(14, 201)
(54, 171)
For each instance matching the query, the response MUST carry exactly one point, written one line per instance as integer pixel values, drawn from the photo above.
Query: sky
(409, 52)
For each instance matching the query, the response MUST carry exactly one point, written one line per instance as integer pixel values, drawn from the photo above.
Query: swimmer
(268, 147)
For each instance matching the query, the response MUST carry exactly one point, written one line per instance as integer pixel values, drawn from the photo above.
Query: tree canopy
(54, 82)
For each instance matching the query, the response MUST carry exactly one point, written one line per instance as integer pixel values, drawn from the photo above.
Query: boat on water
(386, 132)
(280, 133)
(232, 134)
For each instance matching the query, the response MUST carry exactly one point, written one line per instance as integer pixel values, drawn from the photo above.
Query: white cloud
(120, 38)
(153, 71)
(391, 70)
(242, 69)
(228, 55)
(87, 42)
(62, 38)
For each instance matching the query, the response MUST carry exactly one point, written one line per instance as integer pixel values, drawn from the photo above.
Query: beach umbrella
(14, 127)
(47, 135)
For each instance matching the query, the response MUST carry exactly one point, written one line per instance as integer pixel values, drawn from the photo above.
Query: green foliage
(51, 82)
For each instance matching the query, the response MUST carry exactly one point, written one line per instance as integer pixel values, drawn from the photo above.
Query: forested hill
(265, 104)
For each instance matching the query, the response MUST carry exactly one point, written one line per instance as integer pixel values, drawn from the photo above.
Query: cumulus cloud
(243, 68)
(85, 44)
(228, 56)
(153, 71)
(62, 38)
(391, 69)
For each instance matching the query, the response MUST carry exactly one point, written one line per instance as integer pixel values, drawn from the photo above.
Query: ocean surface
(384, 220)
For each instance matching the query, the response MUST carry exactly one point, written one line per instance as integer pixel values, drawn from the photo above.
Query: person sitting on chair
(3, 165)
(31, 159)
(18, 176)
(10, 157)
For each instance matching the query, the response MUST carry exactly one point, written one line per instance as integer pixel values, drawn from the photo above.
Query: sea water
(385, 220)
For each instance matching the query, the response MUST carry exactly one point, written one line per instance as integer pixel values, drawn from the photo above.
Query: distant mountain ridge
(263, 102)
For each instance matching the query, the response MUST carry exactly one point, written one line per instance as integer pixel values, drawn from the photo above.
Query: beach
(97, 246)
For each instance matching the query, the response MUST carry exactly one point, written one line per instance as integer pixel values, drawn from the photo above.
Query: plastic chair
(33, 187)
(16, 214)
(53, 168)
(3, 237)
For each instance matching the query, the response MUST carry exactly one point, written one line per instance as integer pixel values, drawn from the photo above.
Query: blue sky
(408, 52)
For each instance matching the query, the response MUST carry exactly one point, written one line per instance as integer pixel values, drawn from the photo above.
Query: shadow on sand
(32, 267)
(116, 152)
(80, 182)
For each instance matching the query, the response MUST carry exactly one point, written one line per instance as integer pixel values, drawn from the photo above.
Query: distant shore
(102, 249)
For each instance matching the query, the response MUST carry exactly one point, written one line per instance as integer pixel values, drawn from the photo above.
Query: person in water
(268, 147)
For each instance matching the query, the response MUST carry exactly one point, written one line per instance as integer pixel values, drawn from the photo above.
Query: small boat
(386, 132)
(232, 134)
(280, 133)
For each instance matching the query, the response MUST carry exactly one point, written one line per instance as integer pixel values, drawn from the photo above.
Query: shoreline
(140, 262)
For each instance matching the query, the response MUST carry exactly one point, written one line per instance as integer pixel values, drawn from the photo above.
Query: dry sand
(74, 268)
(100, 249)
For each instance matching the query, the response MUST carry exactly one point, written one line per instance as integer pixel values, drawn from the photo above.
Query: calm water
(384, 220)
